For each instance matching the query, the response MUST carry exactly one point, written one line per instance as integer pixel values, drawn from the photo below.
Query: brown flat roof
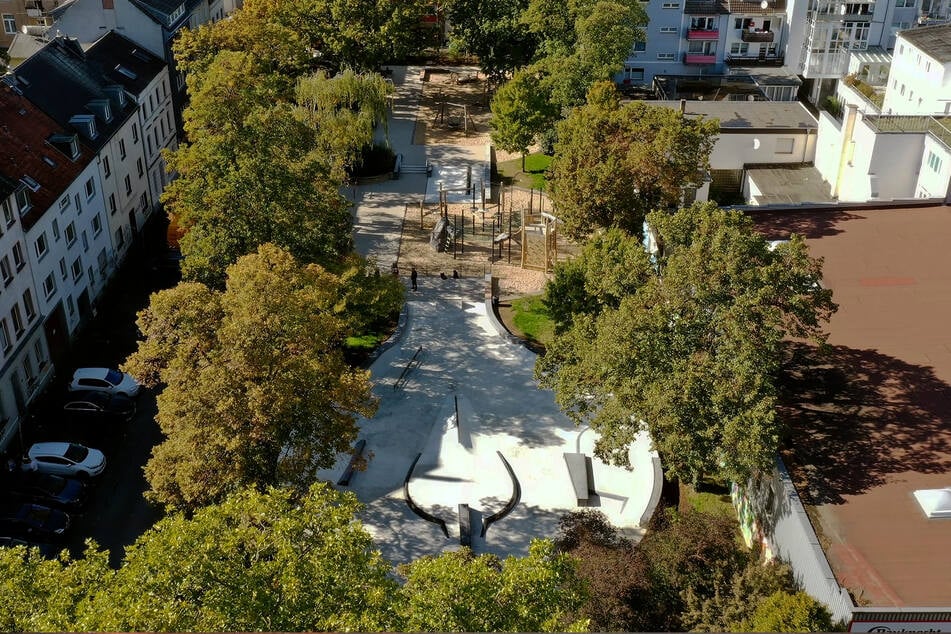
(871, 421)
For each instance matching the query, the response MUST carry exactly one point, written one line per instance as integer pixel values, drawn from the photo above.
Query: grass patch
(532, 320)
(706, 500)
(533, 176)
(364, 342)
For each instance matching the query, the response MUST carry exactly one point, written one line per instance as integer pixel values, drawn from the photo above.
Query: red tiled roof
(876, 410)
(24, 148)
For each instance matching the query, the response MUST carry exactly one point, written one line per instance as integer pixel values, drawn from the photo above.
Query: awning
(872, 55)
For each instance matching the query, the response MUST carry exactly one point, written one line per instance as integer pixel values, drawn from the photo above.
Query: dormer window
(176, 14)
(30, 182)
(68, 144)
(23, 200)
(101, 108)
(86, 124)
(116, 96)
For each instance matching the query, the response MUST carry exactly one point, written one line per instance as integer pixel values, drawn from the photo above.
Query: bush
(375, 159)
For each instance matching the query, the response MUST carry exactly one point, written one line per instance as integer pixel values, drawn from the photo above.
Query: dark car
(92, 404)
(46, 550)
(47, 489)
(33, 520)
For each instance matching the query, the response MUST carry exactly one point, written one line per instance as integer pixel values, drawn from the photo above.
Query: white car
(104, 380)
(65, 459)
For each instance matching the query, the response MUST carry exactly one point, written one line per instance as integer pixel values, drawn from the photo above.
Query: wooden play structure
(452, 115)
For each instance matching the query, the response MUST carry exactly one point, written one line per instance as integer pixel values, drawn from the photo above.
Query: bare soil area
(453, 108)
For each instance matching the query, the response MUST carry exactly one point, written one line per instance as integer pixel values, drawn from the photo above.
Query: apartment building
(152, 24)
(919, 81)
(145, 77)
(18, 14)
(53, 235)
(72, 89)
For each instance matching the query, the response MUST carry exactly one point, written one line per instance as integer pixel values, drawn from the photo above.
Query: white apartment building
(919, 80)
(71, 89)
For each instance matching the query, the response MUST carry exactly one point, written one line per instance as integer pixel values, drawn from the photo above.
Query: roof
(62, 82)
(24, 131)
(934, 41)
(24, 45)
(124, 62)
(789, 185)
(750, 115)
(877, 409)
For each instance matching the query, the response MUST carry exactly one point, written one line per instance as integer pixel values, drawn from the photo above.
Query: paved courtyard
(462, 364)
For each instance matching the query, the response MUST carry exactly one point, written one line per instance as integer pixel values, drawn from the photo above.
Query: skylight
(29, 182)
(122, 70)
(936, 503)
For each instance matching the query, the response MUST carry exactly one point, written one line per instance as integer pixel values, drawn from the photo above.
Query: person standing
(412, 276)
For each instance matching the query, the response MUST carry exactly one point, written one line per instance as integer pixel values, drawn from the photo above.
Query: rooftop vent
(936, 503)
(49, 161)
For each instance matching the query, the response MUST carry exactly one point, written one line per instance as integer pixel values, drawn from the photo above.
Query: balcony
(705, 7)
(754, 60)
(757, 36)
(699, 58)
(703, 35)
(750, 7)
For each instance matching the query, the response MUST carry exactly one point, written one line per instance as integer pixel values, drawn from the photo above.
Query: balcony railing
(754, 60)
(703, 34)
(699, 58)
(750, 7)
(705, 7)
(757, 36)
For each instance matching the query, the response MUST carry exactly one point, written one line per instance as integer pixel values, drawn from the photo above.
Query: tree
(459, 592)
(257, 391)
(492, 30)
(611, 267)
(615, 162)
(271, 561)
(520, 111)
(787, 612)
(692, 354)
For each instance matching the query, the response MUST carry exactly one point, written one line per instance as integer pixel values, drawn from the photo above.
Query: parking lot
(116, 512)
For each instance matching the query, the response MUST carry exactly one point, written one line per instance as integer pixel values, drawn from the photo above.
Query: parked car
(46, 550)
(104, 380)
(33, 520)
(46, 489)
(99, 405)
(65, 459)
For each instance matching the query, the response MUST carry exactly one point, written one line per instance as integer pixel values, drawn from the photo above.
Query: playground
(453, 108)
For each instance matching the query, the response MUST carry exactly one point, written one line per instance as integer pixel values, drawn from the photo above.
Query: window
(148, 139)
(701, 47)
(120, 238)
(96, 225)
(784, 145)
(9, 24)
(934, 162)
(122, 148)
(5, 270)
(737, 23)
(28, 371)
(62, 268)
(703, 24)
(162, 125)
(70, 234)
(40, 354)
(103, 262)
(640, 47)
(85, 242)
(4, 334)
(665, 56)
(23, 200)
(106, 170)
(112, 204)
(41, 246)
(904, 3)
(64, 202)
(55, 229)
(668, 29)
(79, 206)
(739, 48)
(18, 259)
(634, 74)
(70, 307)
(49, 286)
(128, 185)
(77, 269)
(90, 188)
(670, 5)
(135, 133)
(8, 216)
(28, 305)
(138, 167)
(17, 319)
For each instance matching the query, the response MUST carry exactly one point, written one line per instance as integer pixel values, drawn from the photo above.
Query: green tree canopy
(615, 162)
(459, 592)
(257, 391)
(521, 111)
(494, 31)
(691, 355)
(789, 612)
